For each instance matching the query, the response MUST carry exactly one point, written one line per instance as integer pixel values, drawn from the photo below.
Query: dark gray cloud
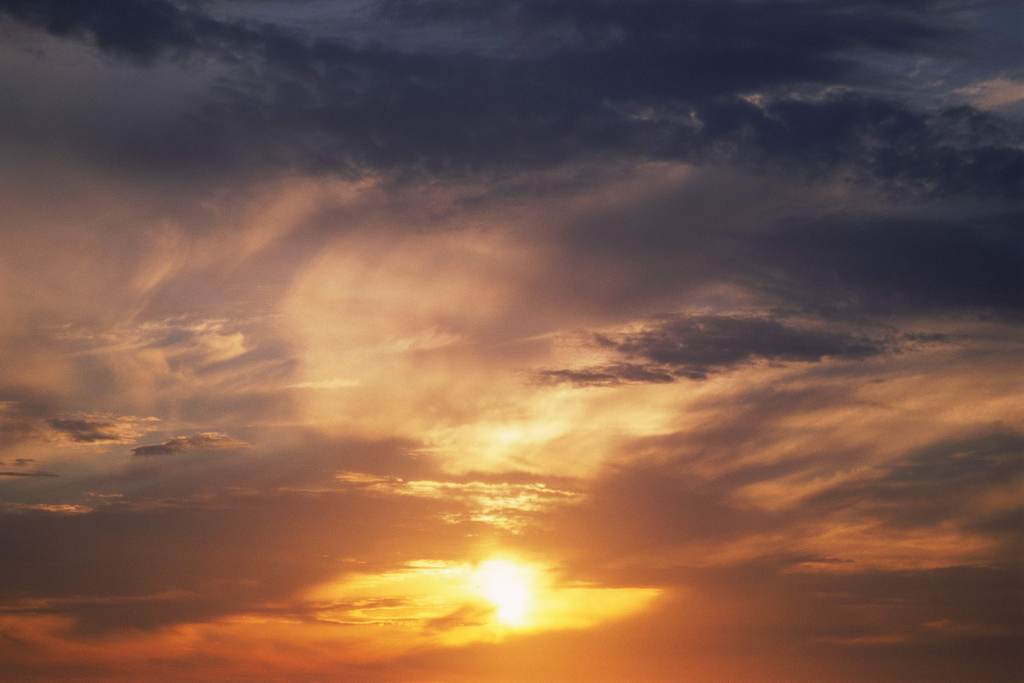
(694, 346)
(886, 264)
(85, 431)
(647, 80)
(698, 344)
(194, 442)
(608, 375)
(791, 246)
(25, 417)
(138, 30)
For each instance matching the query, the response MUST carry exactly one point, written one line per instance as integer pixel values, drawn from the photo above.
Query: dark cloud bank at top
(814, 92)
(768, 85)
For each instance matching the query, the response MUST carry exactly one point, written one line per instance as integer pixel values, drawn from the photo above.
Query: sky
(505, 340)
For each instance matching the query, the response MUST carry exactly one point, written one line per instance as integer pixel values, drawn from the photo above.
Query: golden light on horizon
(454, 603)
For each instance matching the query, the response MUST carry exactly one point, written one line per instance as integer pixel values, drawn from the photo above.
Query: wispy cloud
(203, 441)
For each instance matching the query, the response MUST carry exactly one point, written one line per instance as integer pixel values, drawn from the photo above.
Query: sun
(508, 586)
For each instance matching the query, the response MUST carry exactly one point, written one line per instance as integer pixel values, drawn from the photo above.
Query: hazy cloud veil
(709, 311)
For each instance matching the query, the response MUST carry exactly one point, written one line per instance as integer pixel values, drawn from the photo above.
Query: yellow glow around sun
(509, 587)
(454, 603)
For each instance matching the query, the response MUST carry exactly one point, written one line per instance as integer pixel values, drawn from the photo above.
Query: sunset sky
(512, 340)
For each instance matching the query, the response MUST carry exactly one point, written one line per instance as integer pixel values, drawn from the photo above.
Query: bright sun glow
(509, 587)
(440, 601)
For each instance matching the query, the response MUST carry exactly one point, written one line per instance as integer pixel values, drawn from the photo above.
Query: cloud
(19, 473)
(693, 346)
(501, 501)
(359, 241)
(599, 82)
(85, 431)
(928, 264)
(18, 421)
(608, 375)
(141, 31)
(247, 577)
(203, 441)
(851, 463)
(854, 570)
(53, 508)
(698, 343)
(837, 254)
(993, 93)
(188, 530)
(28, 421)
(966, 482)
